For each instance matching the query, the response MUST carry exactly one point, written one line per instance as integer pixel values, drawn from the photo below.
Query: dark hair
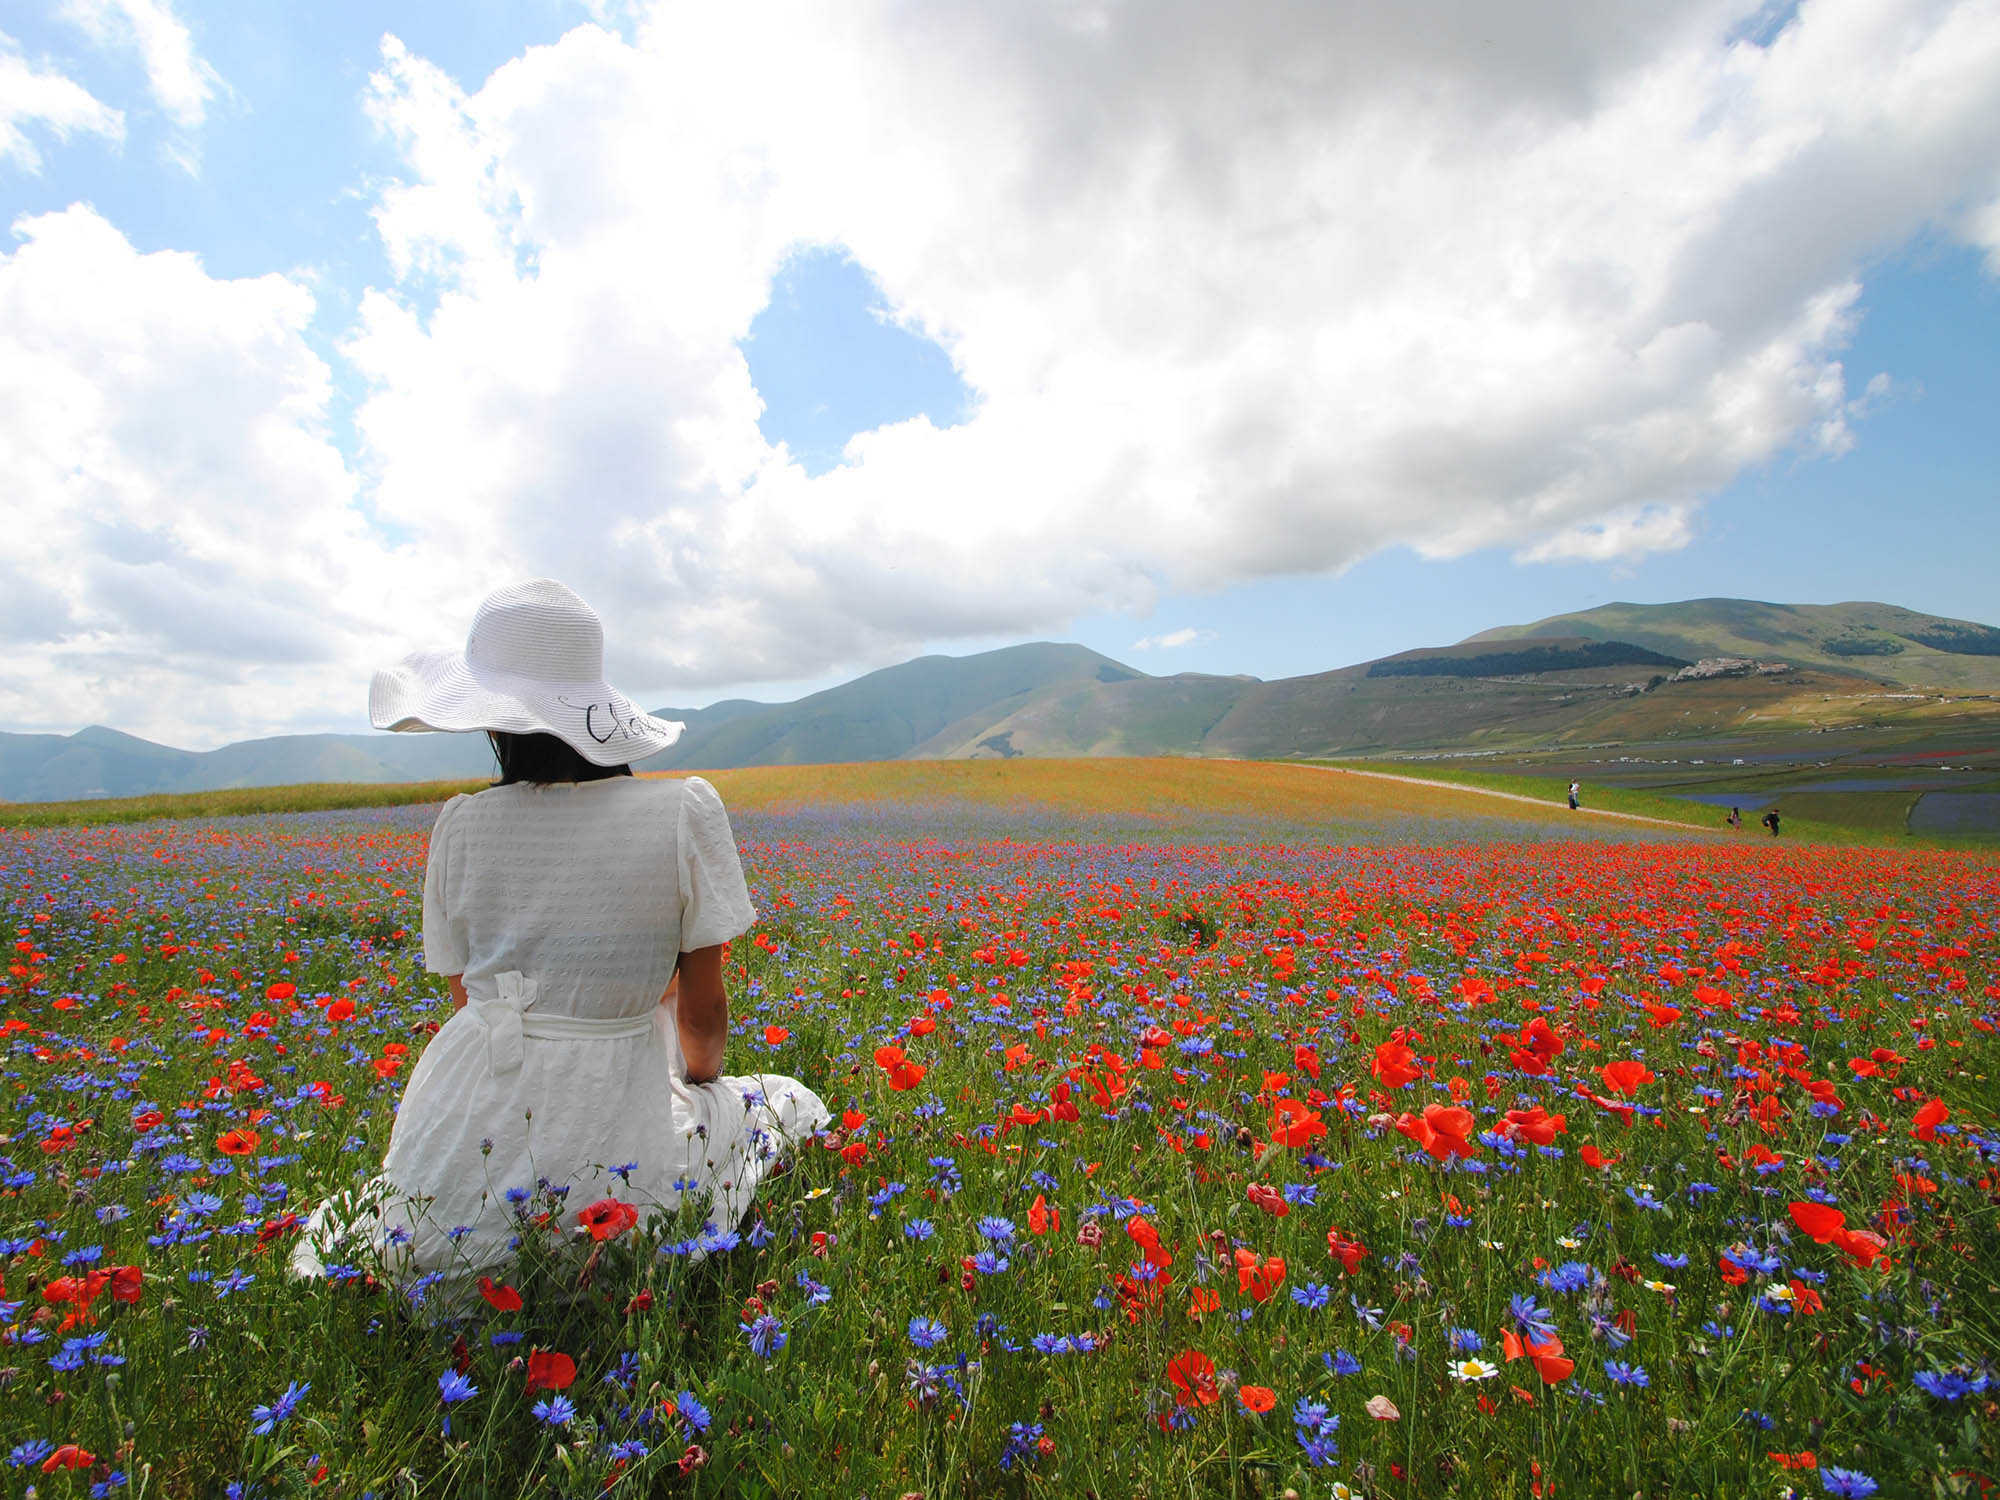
(540, 759)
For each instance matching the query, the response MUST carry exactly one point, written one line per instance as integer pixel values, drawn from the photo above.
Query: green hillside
(888, 714)
(1883, 642)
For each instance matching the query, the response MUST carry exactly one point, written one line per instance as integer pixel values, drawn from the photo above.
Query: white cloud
(184, 556)
(32, 96)
(1625, 533)
(1239, 291)
(1173, 639)
(181, 83)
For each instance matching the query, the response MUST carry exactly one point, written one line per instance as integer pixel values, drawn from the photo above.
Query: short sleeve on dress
(445, 949)
(715, 903)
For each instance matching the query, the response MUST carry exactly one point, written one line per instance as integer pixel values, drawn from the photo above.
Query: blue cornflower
(817, 1293)
(767, 1335)
(919, 1229)
(1620, 1373)
(235, 1281)
(927, 1333)
(997, 1230)
(945, 1176)
(267, 1419)
(1342, 1363)
(625, 1372)
(1020, 1445)
(1671, 1262)
(761, 1234)
(1945, 1385)
(1570, 1276)
(987, 1263)
(556, 1411)
(1850, 1482)
(1313, 1294)
(1532, 1317)
(454, 1388)
(1465, 1341)
(1311, 1416)
(692, 1411)
(31, 1452)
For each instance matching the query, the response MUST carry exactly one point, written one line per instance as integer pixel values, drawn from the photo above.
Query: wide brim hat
(533, 664)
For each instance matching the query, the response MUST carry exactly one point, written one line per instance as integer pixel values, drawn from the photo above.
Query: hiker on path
(1575, 796)
(1771, 821)
(579, 916)
(1735, 818)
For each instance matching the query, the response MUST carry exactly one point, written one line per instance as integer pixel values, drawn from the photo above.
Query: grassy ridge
(319, 796)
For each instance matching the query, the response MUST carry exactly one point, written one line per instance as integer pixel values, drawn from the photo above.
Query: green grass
(1865, 818)
(318, 796)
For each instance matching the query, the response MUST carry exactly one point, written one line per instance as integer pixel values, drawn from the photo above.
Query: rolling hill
(1624, 673)
(1881, 642)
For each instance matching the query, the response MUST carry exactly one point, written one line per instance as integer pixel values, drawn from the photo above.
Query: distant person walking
(1735, 818)
(1575, 796)
(1771, 821)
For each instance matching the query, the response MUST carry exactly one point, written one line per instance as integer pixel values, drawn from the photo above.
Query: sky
(802, 339)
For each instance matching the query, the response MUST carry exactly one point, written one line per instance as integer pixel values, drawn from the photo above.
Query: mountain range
(1622, 672)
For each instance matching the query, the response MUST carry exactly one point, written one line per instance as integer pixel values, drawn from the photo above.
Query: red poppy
(1042, 1218)
(1269, 1199)
(68, 1456)
(128, 1283)
(237, 1142)
(1350, 1253)
(1257, 1398)
(1537, 1126)
(1593, 1158)
(1293, 1125)
(550, 1371)
(146, 1119)
(1625, 1077)
(1932, 1115)
(1395, 1064)
(607, 1218)
(1442, 1130)
(1306, 1060)
(499, 1297)
(1817, 1220)
(1256, 1277)
(1545, 1354)
(903, 1074)
(284, 989)
(1193, 1375)
(774, 1035)
(1142, 1233)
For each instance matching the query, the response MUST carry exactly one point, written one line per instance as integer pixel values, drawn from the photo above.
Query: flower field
(1164, 1165)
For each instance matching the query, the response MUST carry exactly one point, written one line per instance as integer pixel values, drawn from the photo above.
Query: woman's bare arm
(702, 1010)
(457, 983)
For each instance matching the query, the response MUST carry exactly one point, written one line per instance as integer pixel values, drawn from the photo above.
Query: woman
(578, 915)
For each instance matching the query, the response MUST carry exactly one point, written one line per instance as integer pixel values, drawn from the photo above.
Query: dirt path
(1480, 791)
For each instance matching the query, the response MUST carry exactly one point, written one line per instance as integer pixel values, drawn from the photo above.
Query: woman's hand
(702, 1012)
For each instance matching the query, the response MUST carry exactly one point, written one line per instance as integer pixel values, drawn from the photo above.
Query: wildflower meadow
(1205, 1160)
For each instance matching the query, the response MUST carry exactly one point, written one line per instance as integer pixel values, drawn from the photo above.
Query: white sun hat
(533, 664)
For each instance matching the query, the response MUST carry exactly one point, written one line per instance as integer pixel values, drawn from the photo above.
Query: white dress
(564, 908)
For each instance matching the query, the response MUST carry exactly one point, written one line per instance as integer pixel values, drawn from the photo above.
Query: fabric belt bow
(501, 1016)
